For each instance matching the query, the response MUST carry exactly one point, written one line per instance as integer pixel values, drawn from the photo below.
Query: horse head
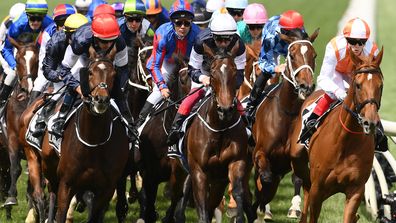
(100, 78)
(138, 55)
(300, 61)
(223, 80)
(179, 81)
(27, 62)
(366, 90)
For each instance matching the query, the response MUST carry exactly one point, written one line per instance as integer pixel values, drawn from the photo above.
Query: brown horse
(279, 108)
(341, 151)
(157, 167)
(219, 155)
(94, 147)
(26, 70)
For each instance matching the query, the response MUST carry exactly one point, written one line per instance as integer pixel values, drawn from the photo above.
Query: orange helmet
(291, 20)
(105, 27)
(153, 7)
(357, 28)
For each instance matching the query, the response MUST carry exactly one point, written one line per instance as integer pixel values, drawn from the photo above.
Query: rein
(141, 71)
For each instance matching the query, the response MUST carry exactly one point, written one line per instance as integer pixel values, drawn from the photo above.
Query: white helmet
(82, 3)
(16, 10)
(213, 5)
(236, 4)
(222, 23)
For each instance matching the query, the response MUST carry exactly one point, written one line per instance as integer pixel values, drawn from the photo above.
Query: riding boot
(133, 135)
(175, 134)
(254, 97)
(309, 127)
(59, 122)
(40, 126)
(381, 141)
(33, 96)
(147, 107)
(5, 93)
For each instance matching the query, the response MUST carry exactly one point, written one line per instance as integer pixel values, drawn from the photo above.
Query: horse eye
(358, 86)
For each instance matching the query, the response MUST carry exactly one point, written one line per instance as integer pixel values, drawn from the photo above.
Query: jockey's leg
(321, 107)
(146, 110)
(9, 83)
(126, 113)
(59, 122)
(40, 123)
(255, 94)
(381, 141)
(182, 113)
(38, 87)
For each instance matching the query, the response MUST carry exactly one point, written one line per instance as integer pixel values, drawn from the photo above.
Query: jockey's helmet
(105, 27)
(62, 11)
(236, 4)
(134, 8)
(82, 4)
(291, 19)
(255, 14)
(73, 22)
(181, 9)
(104, 9)
(222, 23)
(16, 10)
(36, 7)
(356, 28)
(201, 16)
(213, 5)
(153, 7)
(118, 6)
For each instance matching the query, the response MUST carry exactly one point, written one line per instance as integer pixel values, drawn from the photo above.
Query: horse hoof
(268, 216)
(232, 212)
(292, 213)
(140, 220)
(10, 201)
(31, 216)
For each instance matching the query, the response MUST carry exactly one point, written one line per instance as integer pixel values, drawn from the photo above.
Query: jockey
(201, 15)
(61, 12)
(135, 23)
(236, 8)
(271, 48)
(337, 68)
(82, 6)
(177, 36)
(92, 8)
(55, 51)
(214, 5)
(118, 8)
(102, 34)
(255, 17)
(221, 37)
(156, 13)
(15, 11)
(34, 20)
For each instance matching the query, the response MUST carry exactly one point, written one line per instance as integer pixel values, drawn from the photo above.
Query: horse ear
(92, 53)
(235, 49)
(139, 41)
(285, 38)
(15, 43)
(314, 35)
(112, 53)
(355, 59)
(208, 51)
(378, 58)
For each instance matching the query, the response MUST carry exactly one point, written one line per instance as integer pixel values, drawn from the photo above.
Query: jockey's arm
(69, 60)
(44, 40)
(121, 63)
(240, 62)
(268, 55)
(8, 49)
(155, 61)
(195, 64)
(3, 33)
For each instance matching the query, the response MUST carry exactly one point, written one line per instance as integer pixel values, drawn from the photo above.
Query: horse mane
(25, 38)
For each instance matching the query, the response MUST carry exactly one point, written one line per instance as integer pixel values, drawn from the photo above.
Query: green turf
(317, 13)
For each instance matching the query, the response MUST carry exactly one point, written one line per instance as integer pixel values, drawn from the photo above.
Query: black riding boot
(5, 93)
(147, 107)
(255, 95)
(309, 127)
(59, 122)
(381, 141)
(40, 126)
(33, 96)
(174, 134)
(132, 133)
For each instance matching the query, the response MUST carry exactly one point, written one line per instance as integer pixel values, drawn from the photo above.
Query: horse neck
(89, 123)
(288, 98)
(347, 119)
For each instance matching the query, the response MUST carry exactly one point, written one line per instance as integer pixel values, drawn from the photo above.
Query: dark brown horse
(94, 148)
(341, 151)
(279, 108)
(157, 167)
(26, 70)
(219, 155)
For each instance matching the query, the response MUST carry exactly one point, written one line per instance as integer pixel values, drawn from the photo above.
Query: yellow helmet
(74, 21)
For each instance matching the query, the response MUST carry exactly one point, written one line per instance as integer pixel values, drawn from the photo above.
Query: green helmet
(36, 7)
(134, 7)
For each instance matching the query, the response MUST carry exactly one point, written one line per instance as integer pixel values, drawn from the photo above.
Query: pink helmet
(255, 14)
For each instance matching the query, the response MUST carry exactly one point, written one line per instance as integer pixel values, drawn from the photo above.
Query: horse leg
(304, 213)
(315, 203)
(216, 196)
(64, 197)
(15, 172)
(295, 210)
(263, 167)
(299, 161)
(100, 203)
(187, 192)
(121, 205)
(200, 188)
(236, 175)
(150, 188)
(353, 199)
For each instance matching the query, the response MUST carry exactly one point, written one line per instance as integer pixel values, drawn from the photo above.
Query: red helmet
(104, 9)
(291, 20)
(105, 27)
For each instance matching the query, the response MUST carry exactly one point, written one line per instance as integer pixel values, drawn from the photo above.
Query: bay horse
(157, 167)
(219, 155)
(95, 145)
(26, 70)
(279, 108)
(341, 151)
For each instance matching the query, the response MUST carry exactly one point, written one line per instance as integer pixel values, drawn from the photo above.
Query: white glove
(340, 94)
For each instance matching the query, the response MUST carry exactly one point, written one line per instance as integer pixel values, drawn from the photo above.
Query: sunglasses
(235, 12)
(104, 41)
(136, 19)
(256, 26)
(353, 42)
(222, 38)
(36, 18)
(181, 23)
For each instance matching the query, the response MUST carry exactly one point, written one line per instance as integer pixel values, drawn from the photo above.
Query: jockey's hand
(340, 94)
(78, 90)
(280, 68)
(205, 80)
(165, 93)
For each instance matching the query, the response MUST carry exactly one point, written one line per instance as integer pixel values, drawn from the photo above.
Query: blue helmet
(181, 9)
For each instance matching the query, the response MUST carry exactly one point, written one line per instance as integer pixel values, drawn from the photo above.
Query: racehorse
(26, 70)
(341, 151)
(279, 108)
(94, 147)
(157, 167)
(220, 154)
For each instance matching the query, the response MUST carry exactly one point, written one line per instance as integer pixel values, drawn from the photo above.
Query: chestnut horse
(26, 70)
(341, 151)
(219, 155)
(279, 108)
